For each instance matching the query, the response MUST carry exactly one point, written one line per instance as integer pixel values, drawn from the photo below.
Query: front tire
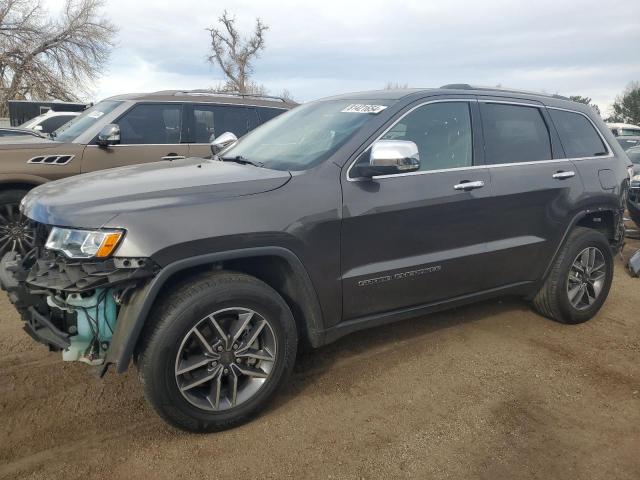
(580, 278)
(16, 234)
(220, 347)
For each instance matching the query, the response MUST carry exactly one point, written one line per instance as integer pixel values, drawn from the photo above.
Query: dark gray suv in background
(341, 214)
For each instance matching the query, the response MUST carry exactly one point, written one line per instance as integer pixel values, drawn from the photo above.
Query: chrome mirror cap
(392, 156)
(223, 141)
(109, 135)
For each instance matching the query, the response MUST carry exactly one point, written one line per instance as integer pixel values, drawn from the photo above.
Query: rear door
(417, 238)
(149, 132)
(208, 121)
(534, 189)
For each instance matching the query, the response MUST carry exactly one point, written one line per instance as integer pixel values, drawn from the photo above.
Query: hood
(92, 199)
(21, 142)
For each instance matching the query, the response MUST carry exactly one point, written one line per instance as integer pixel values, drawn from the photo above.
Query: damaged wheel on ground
(219, 349)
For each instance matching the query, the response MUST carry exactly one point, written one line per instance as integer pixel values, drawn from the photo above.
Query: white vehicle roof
(622, 125)
(43, 116)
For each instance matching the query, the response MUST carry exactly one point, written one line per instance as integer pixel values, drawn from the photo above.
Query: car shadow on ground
(367, 345)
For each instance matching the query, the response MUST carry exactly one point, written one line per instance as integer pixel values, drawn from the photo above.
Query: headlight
(635, 178)
(83, 243)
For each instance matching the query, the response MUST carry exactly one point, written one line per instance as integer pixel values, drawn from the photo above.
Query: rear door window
(214, 120)
(151, 124)
(578, 136)
(514, 133)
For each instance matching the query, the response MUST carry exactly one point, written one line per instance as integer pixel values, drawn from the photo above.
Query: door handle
(563, 175)
(173, 156)
(466, 185)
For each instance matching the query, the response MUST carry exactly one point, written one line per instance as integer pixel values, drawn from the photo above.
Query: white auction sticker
(95, 114)
(363, 108)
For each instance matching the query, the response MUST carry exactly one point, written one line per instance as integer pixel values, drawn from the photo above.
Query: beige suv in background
(121, 130)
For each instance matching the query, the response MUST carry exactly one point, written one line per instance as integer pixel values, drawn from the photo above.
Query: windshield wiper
(242, 160)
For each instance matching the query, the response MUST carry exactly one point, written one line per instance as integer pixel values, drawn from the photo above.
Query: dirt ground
(487, 391)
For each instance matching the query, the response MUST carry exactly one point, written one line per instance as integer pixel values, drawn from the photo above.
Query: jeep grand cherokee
(341, 214)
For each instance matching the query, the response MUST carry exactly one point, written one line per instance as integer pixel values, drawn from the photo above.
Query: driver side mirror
(222, 142)
(38, 128)
(390, 157)
(109, 135)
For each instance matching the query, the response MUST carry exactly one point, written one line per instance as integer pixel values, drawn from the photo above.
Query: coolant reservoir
(95, 318)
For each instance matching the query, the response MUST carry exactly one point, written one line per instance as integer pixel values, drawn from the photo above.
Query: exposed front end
(68, 302)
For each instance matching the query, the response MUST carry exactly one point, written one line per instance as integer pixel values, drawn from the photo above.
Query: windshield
(306, 135)
(72, 129)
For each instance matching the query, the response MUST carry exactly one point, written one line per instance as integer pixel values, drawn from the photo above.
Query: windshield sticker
(363, 108)
(95, 114)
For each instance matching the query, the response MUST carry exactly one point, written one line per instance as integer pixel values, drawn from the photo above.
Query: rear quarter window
(578, 136)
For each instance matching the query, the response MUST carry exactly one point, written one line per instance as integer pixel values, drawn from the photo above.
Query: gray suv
(341, 214)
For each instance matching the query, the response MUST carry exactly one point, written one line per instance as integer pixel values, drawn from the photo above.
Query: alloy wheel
(225, 359)
(15, 232)
(586, 278)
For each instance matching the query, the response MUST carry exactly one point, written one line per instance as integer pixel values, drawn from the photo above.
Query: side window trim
(474, 133)
(595, 127)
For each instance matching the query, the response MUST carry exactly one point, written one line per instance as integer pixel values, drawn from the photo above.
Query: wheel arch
(21, 182)
(279, 267)
(606, 220)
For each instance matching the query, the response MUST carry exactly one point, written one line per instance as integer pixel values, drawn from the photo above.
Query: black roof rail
(228, 94)
(466, 86)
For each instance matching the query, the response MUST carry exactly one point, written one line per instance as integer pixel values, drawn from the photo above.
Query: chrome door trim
(564, 175)
(469, 185)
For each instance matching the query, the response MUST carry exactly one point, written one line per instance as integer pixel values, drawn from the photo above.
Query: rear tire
(574, 291)
(212, 320)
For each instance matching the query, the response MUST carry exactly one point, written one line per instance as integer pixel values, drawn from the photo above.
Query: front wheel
(580, 278)
(218, 351)
(16, 234)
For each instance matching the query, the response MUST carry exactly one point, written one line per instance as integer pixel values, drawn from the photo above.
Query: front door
(417, 238)
(149, 132)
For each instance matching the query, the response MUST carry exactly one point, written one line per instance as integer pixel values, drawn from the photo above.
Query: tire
(171, 345)
(16, 235)
(554, 300)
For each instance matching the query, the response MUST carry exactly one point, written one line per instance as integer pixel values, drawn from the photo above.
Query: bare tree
(235, 55)
(286, 95)
(45, 58)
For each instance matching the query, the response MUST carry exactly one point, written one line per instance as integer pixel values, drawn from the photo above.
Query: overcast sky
(319, 48)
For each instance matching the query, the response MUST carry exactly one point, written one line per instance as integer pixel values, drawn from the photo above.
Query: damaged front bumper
(70, 305)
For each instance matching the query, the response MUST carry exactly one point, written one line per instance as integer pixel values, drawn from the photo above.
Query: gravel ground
(487, 391)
